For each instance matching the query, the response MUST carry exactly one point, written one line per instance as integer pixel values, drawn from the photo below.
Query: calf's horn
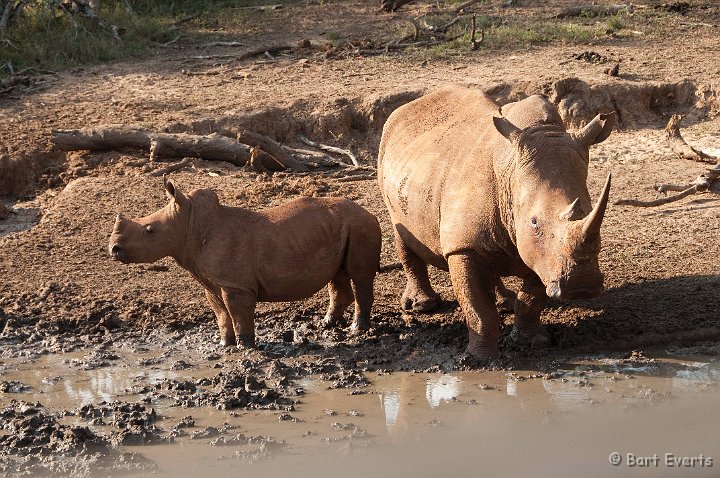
(595, 218)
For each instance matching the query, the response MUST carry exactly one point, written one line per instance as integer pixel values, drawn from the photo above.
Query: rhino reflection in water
(485, 193)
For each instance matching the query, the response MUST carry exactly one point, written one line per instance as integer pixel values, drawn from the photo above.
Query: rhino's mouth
(555, 290)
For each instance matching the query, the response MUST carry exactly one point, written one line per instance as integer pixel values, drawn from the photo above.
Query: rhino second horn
(594, 220)
(572, 212)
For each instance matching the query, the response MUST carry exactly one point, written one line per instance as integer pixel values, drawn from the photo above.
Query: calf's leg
(475, 292)
(419, 294)
(224, 321)
(341, 296)
(240, 304)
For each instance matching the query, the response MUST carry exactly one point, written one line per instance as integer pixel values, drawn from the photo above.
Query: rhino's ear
(507, 129)
(596, 131)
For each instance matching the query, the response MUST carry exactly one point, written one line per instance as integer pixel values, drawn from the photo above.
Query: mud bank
(356, 122)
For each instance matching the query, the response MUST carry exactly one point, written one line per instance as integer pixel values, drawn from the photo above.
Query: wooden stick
(332, 149)
(657, 202)
(172, 168)
(357, 177)
(224, 43)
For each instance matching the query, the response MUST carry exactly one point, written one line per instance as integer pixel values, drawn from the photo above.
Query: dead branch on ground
(172, 167)
(183, 21)
(680, 146)
(706, 182)
(273, 148)
(331, 149)
(594, 11)
(262, 8)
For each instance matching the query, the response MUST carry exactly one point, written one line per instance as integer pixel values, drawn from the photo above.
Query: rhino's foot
(476, 357)
(330, 321)
(419, 303)
(359, 326)
(246, 341)
(536, 339)
(228, 340)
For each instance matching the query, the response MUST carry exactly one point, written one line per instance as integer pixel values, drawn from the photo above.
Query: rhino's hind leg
(419, 295)
(363, 290)
(362, 263)
(224, 321)
(529, 304)
(241, 306)
(341, 296)
(475, 292)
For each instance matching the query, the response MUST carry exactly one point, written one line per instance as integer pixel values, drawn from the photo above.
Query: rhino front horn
(595, 218)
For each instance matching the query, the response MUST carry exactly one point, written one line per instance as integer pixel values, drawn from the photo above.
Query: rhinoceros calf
(241, 257)
(485, 193)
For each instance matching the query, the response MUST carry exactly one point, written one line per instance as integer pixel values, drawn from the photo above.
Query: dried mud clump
(36, 443)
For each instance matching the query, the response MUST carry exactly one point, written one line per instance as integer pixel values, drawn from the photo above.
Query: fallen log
(213, 147)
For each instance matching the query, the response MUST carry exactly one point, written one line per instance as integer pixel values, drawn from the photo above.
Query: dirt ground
(59, 290)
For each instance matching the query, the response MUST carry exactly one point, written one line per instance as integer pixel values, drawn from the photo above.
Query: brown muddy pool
(565, 422)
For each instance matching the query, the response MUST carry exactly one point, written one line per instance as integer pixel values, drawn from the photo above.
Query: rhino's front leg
(224, 321)
(240, 303)
(531, 300)
(476, 294)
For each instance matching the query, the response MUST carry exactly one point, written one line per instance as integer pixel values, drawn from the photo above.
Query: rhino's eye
(149, 229)
(533, 222)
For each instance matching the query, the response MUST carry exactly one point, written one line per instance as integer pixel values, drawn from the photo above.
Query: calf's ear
(596, 131)
(169, 187)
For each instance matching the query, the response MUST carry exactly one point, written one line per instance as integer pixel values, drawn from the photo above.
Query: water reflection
(444, 388)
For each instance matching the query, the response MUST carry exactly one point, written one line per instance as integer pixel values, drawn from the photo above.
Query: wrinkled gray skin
(487, 193)
(241, 257)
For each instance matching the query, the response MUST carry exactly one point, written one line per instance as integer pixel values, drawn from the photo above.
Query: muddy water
(514, 423)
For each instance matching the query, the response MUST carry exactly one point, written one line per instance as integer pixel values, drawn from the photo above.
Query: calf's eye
(149, 229)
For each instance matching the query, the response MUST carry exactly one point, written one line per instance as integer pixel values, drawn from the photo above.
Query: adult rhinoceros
(488, 192)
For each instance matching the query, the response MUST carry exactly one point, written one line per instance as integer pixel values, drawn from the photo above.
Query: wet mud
(106, 399)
